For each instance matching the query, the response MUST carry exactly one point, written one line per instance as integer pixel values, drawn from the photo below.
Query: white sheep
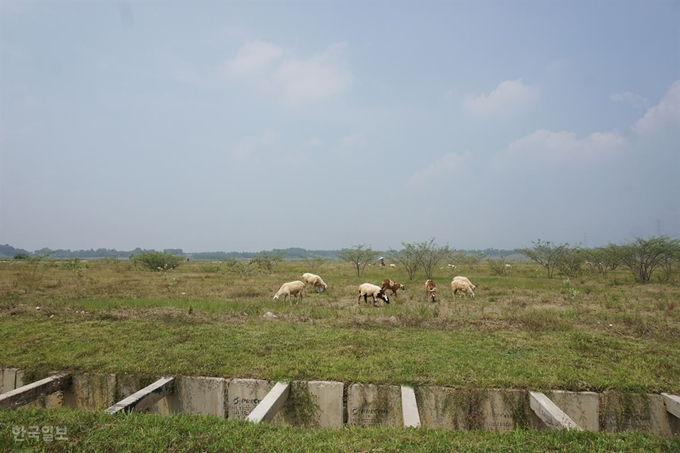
(314, 281)
(369, 289)
(288, 289)
(463, 284)
(393, 266)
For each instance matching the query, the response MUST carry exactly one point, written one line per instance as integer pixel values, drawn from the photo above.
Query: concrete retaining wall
(331, 404)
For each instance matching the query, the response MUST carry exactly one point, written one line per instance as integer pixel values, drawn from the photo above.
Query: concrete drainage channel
(334, 404)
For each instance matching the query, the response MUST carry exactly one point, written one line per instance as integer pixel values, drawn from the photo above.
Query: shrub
(158, 261)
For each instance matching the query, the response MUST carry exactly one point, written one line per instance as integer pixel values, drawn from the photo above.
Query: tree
(546, 254)
(429, 255)
(406, 258)
(359, 256)
(643, 256)
(498, 266)
(158, 261)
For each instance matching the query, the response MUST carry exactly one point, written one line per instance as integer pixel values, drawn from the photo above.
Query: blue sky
(247, 126)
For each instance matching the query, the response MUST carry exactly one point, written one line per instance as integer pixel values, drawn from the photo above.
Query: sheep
(431, 290)
(466, 280)
(393, 286)
(295, 288)
(369, 289)
(464, 285)
(393, 266)
(315, 281)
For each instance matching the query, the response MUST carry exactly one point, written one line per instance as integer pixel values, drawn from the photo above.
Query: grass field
(520, 331)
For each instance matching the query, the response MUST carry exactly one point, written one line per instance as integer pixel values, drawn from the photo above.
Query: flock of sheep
(296, 288)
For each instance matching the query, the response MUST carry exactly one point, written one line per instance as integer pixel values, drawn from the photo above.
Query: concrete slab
(409, 408)
(194, 395)
(270, 405)
(634, 412)
(549, 413)
(91, 391)
(484, 409)
(30, 393)
(9, 379)
(372, 405)
(672, 403)
(145, 397)
(314, 404)
(582, 407)
(244, 395)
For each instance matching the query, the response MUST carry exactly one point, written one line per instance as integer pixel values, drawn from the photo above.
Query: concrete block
(371, 405)
(91, 391)
(194, 395)
(550, 413)
(9, 379)
(582, 407)
(634, 412)
(145, 397)
(244, 395)
(31, 393)
(314, 404)
(270, 405)
(672, 403)
(409, 408)
(484, 409)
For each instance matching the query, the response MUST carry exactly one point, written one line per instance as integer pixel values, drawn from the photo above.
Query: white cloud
(666, 114)
(547, 147)
(448, 166)
(320, 77)
(507, 100)
(270, 68)
(254, 59)
(632, 98)
(564, 150)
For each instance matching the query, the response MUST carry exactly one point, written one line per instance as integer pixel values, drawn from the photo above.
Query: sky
(258, 125)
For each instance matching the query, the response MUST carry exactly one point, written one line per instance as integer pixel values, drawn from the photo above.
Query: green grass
(521, 331)
(98, 432)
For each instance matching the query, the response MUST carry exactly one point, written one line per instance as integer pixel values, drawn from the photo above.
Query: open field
(521, 331)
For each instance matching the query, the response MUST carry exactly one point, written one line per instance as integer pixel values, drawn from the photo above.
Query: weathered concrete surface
(550, 413)
(270, 405)
(485, 409)
(634, 412)
(30, 393)
(409, 408)
(582, 407)
(145, 397)
(91, 391)
(244, 395)
(371, 405)
(194, 395)
(9, 379)
(672, 403)
(314, 404)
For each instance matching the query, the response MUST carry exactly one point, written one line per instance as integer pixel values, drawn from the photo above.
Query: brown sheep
(392, 286)
(431, 290)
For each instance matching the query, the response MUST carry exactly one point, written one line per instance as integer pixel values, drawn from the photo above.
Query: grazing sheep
(466, 280)
(393, 266)
(295, 288)
(462, 284)
(369, 289)
(393, 286)
(314, 281)
(431, 290)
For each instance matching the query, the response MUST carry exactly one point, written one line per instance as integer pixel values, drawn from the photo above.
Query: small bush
(158, 261)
